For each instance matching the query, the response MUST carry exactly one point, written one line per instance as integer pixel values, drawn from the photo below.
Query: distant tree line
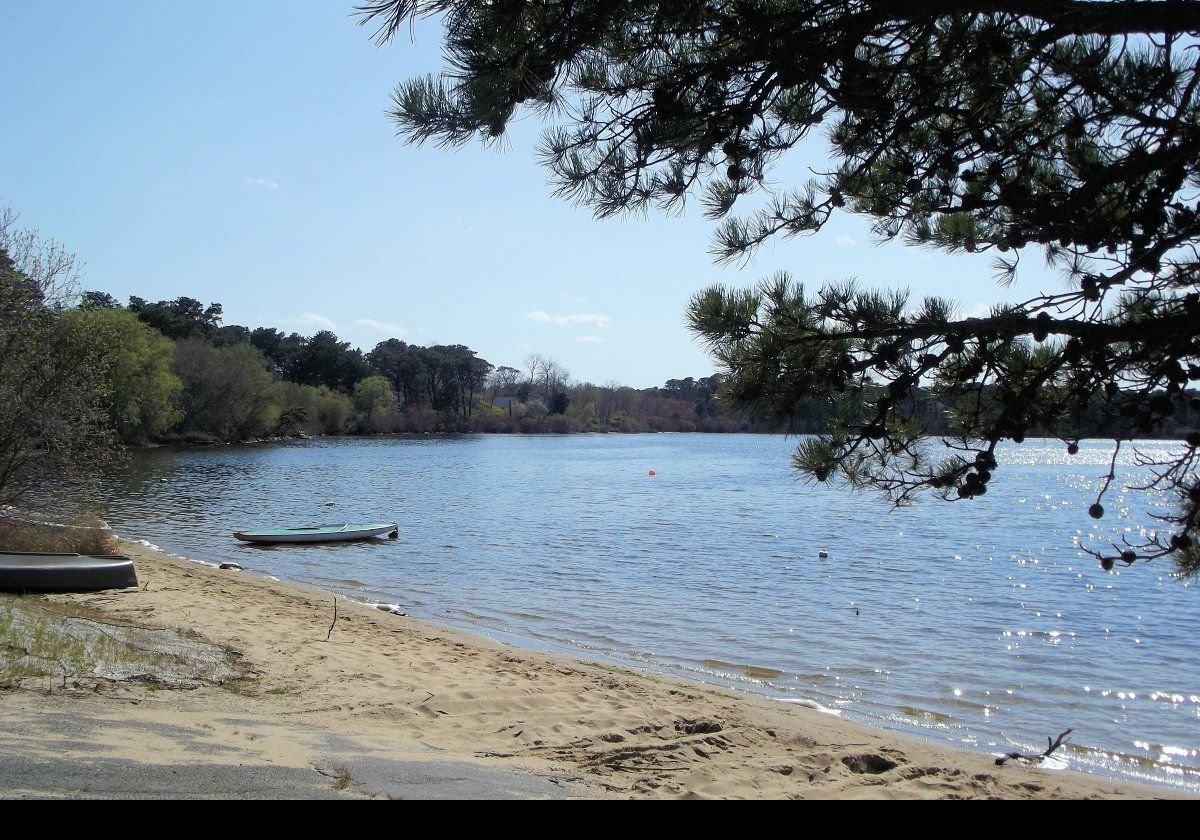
(179, 375)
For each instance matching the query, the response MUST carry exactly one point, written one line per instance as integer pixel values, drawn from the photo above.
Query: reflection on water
(979, 622)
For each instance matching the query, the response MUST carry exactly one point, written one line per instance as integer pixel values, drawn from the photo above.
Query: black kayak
(41, 571)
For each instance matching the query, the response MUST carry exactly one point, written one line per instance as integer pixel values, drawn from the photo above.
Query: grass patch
(341, 778)
(88, 538)
(44, 640)
(38, 644)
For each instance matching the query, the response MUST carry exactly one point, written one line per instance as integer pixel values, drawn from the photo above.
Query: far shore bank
(371, 691)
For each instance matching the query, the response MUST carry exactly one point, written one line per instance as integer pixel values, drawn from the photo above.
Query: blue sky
(240, 153)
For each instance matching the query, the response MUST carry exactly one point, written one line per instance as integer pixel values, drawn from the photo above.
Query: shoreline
(349, 701)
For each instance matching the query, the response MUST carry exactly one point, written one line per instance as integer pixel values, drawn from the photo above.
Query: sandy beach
(383, 705)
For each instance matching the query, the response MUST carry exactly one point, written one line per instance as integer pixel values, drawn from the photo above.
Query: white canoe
(339, 532)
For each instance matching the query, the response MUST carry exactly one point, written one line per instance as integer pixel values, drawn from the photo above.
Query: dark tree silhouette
(1067, 127)
(178, 319)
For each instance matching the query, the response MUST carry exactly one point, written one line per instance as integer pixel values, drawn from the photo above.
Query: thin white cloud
(590, 339)
(378, 326)
(572, 298)
(565, 320)
(846, 240)
(310, 319)
(263, 182)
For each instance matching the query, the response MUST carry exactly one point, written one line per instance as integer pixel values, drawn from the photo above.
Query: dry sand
(393, 690)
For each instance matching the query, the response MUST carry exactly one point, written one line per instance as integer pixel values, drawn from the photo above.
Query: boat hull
(31, 571)
(319, 533)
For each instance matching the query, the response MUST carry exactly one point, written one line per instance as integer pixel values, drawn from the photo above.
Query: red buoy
(652, 472)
